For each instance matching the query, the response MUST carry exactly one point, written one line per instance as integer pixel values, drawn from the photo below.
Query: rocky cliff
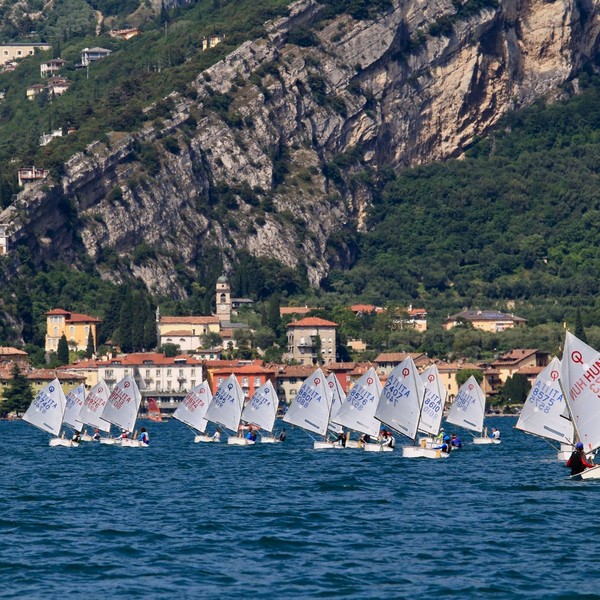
(264, 150)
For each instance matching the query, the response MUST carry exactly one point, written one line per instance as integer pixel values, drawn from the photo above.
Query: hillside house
(75, 327)
(125, 34)
(186, 332)
(485, 320)
(46, 138)
(211, 41)
(386, 362)
(310, 340)
(34, 90)
(27, 176)
(52, 67)
(11, 52)
(57, 86)
(3, 239)
(90, 55)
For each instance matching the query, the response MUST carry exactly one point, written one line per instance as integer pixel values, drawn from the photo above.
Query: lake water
(209, 520)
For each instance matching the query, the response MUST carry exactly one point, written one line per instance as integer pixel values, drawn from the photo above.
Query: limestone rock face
(263, 153)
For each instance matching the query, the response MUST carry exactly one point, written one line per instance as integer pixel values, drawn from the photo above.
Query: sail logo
(126, 384)
(317, 380)
(330, 384)
(405, 372)
(431, 378)
(577, 357)
(51, 389)
(370, 381)
(554, 375)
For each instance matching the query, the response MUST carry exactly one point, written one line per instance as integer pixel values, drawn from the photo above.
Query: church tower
(223, 300)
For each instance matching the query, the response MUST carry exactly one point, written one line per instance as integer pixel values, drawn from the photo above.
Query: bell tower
(223, 300)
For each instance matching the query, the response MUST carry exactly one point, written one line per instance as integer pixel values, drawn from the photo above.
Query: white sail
(193, 407)
(337, 398)
(91, 411)
(401, 399)
(226, 406)
(122, 406)
(468, 408)
(75, 399)
(543, 411)
(48, 408)
(311, 406)
(262, 407)
(358, 411)
(580, 379)
(433, 404)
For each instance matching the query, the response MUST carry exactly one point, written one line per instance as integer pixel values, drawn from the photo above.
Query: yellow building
(186, 332)
(74, 326)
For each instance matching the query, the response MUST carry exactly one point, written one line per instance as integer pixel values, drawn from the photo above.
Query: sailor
(341, 438)
(96, 436)
(282, 435)
(440, 435)
(251, 435)
(578, 462)
(216, 436)
(77, 437)
(495, 435)
(455, 441)
(144, 438)
(446, 447)
(124, 434)
(364, 439)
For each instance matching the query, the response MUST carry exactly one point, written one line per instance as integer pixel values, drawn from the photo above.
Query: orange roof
(299, 371)
(413, 312)
(243, 370)
(188, 320)
(180, 332)
(398, 356)
(365, 308)
(9, 350)
(72, 317)
(312, 322)
(50, 374)
(150, 358)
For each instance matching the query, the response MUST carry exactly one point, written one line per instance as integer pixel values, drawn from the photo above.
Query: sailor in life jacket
(144, 438)
(578, 462)
(446, 447)
(495, 435)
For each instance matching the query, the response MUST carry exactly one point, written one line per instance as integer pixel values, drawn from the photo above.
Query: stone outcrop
(260, 154)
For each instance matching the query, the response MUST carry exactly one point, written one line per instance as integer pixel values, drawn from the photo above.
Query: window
(222, 298)
(148, 373)
(244, 381)
(180, 372)
(168, 372)
(168, 385)
(193, 383)
(55, 331)
(220, 381)
(72, 331)
(193, 373)
(87, 330)
(257, 382)
(109, 373)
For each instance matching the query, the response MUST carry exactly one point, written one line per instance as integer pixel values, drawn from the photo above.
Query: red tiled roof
(50, 374)
(312, 322)
(245, 369)
(398, 356)
(71, 317)
(150, 358)
(299, 371)
(188, 320)
(10, 351)
(365, 308)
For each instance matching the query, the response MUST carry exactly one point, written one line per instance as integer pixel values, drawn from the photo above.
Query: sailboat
(225, 409)
(358, 411)
(154, 413)
(261, 410)
(122, 408)
(192, 411)
(336, 397)
(545, 413)
(401, 400)
(74, 401)
(91, 411)
(47, 410)
(579, 376)
(468, 410)
(311, 407)
(430, 418)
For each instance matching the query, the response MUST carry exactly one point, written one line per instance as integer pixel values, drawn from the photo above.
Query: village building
(289, 380)
(3, 239)
(250, 376)
(46, 138)
(11, 355)
(294, 311)
(34, 90)
(27, 176)
(448, 371)
(311, 341)
(386, 362)
(523, 361)
(57, 86)
(125, 34)
(342, 372)
(11, 52)
(39, 378)
(417, 319)
(365, 309)
(90, 55)
(52, 67)
(211, 41)
(485, 320)
(75, 327)
(186, 332)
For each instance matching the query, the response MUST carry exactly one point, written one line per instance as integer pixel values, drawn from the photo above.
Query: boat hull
(485, 441)
(110, 441)
(236, 441)
(63, 442)
(327, 446)
(593, 473)
(203, 439)
(377, 448)
(269, 440)
(418, 452)
(127, 443)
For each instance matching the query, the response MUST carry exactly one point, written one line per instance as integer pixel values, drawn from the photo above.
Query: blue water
(209, 520)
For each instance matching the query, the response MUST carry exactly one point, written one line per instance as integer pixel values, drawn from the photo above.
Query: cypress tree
(89, 351)
(273, 314)
(579, 330)
(125, 323)
(17, 395)
(62, 352)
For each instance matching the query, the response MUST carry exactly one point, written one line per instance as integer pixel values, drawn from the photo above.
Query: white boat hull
(377, 448)
(63, 442)
(127, 443)
(485, 440)
(110, 441)
(204, 438)
(418, 452)
(352, 444)
(327, 446)
(236, 441)
(86, 437)
(593, 473)
(269, 440)
(563, 456)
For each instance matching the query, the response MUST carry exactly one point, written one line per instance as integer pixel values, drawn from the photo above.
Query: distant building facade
(10, 52)
(311, 338)
(74, 326)
(485, 320)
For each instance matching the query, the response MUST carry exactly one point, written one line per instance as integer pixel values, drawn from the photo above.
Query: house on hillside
(386, 362)
(57, 86)
(74, 326)
(186, 332)
(27, 176)
(11, 52)
(125, 34)
(310, 340)
(4, 239)
(52, 67)
(90, 55)
(211, 41)
(522, 361)
(486, 320)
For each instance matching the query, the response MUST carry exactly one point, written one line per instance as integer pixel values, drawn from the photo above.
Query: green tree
(90, 349)
(515, 389)
(273, 314)
(464, 374)
(17, 395)
(579, 330)
(210, 340)
(170, 350)
(62, 352)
